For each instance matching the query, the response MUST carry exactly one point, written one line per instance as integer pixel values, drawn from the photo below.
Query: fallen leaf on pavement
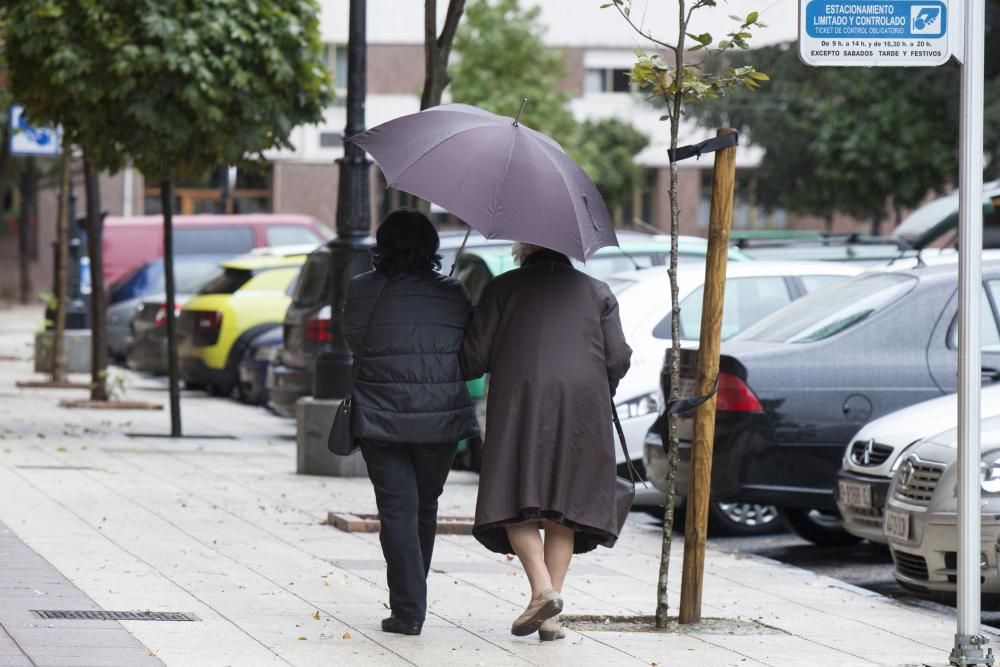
(347, 635)
(316, 616)
(303, 638)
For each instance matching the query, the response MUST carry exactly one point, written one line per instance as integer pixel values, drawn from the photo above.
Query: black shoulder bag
(341, 439)
(624, 487)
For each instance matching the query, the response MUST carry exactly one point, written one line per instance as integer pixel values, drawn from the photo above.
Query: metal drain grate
(114, 615)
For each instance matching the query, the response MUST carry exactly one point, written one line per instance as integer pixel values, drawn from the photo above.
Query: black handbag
(624, 486)
(341, 439)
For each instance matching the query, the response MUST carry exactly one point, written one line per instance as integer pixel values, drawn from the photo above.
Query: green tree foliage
(502, 59)
(852, 139)
(606, 150)
(174, 85)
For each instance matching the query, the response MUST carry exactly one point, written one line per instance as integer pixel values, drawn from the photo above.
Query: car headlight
(641, 406)
(989, 472)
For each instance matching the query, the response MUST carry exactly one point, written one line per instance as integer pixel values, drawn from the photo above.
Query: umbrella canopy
(504, 179)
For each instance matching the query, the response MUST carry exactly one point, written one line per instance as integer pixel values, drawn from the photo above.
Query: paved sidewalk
(224, 529)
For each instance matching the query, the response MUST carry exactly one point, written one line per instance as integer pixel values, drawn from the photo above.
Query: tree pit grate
(707, 626)
(101, 615)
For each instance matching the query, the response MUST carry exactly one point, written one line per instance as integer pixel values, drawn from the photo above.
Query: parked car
(875, 453)
(797, 385)
(146, 350)
(256, 365)
(753, 291)
(936, 223)
(218, 324)
(131, 241)
(307, 321)
(921, 520)
(147, 282)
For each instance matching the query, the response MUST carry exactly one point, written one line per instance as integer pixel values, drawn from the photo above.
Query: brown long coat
(552, 341)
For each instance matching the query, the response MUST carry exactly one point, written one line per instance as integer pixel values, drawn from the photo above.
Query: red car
(130, 242)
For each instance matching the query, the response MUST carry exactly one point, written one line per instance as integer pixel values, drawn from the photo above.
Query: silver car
(874, 454)
(921, 522)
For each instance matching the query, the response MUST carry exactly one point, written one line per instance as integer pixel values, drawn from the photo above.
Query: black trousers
(408, 479)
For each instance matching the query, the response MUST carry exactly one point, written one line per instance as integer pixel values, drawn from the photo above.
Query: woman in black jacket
(410, 403)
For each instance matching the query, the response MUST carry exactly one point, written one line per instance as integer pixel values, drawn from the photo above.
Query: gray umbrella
(505, 180)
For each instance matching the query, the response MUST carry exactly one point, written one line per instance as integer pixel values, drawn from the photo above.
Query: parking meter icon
(924, 20)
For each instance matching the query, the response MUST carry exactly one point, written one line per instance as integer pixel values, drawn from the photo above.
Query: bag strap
(359, 357)
(632, 473)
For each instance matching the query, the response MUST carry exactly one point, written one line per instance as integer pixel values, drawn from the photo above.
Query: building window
(335, 57)
(331, 140)
(207, 193)
(607, 81)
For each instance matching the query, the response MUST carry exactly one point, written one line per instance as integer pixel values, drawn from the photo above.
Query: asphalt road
(865, 564)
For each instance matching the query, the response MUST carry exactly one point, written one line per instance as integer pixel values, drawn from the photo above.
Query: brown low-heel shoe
(551, 630)
(545, 606)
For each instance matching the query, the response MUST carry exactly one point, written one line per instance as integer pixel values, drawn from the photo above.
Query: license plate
(856, 494)
(897, 524)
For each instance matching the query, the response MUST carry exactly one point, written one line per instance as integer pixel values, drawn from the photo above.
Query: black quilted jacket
(410, 387)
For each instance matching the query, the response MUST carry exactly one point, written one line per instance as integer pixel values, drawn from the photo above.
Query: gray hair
(521, 251)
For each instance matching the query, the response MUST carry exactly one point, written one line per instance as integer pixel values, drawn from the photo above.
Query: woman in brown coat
(552, 341)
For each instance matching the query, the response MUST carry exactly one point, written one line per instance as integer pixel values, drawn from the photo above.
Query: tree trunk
(877, 223)
(4, 156)
(670, 440)
(98, 306)
(28, 184)
(62, 270)
(437, 50)
(167, 203)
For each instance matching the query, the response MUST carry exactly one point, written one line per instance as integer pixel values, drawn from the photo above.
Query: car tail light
(318, 326)
(160, 319)
(207, 324)
(735, 396)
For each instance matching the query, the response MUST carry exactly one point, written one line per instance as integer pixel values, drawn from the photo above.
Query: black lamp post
(350, 251)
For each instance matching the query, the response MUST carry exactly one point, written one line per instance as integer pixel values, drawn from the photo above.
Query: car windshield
(828, 312)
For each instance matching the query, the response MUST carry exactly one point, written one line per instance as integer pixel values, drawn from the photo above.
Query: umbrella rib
(562, 174)
(506, 174)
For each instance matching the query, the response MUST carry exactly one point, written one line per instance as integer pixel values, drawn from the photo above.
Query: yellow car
(215, 327)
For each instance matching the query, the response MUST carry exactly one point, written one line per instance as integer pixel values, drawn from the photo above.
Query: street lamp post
(350, 251)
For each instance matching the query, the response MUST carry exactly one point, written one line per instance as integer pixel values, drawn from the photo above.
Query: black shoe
(401, 627)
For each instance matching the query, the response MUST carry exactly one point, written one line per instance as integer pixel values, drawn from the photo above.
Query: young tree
(175, 86)
(437, 50)
(677, 83)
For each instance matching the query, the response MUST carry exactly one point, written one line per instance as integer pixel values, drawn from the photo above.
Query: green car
(477, 267)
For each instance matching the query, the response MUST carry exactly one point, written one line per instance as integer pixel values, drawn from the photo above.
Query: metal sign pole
(970, 648)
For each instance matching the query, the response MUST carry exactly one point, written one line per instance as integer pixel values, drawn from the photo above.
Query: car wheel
(222, 389)
(743, 518)
(821, 528)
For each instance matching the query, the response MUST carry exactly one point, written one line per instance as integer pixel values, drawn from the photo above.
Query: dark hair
(406, 242)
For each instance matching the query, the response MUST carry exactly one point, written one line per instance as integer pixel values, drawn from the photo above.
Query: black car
(794, 388)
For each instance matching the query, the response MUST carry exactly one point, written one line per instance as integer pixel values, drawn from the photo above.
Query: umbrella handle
(460, 249)
(524, 103)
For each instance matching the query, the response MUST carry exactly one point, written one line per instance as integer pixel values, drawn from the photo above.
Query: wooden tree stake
(699, 486)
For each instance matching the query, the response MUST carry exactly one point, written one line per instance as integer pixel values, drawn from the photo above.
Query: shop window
(207, 193)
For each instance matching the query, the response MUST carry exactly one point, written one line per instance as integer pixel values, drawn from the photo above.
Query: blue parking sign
(867, 33)
(27, 139)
